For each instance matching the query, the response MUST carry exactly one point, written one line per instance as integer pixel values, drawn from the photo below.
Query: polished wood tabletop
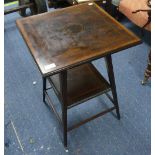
(68, 37)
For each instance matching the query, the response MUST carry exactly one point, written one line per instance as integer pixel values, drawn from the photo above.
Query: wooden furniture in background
(139, 12)
(35, 6)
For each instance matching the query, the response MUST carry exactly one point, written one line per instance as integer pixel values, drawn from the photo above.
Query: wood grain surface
(71, 36)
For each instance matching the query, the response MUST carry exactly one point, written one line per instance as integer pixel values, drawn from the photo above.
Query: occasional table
(63, 44)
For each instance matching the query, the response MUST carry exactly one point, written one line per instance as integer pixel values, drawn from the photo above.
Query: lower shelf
(83, 83)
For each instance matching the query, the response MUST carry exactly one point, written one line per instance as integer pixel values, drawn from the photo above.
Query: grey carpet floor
(31, 128)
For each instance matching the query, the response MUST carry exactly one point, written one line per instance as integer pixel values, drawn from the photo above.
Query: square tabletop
(68, 37)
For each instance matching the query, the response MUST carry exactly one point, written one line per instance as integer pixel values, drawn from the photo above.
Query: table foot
(66, 149)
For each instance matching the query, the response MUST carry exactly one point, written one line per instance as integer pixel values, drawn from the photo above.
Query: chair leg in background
(147, 73)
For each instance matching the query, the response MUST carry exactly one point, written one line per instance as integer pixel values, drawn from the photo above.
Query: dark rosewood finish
(72, 36)
(83, 82)
(63, 43)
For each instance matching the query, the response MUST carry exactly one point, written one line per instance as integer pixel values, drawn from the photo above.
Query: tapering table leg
(63, 87)
(44, 88)
(112, 82)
